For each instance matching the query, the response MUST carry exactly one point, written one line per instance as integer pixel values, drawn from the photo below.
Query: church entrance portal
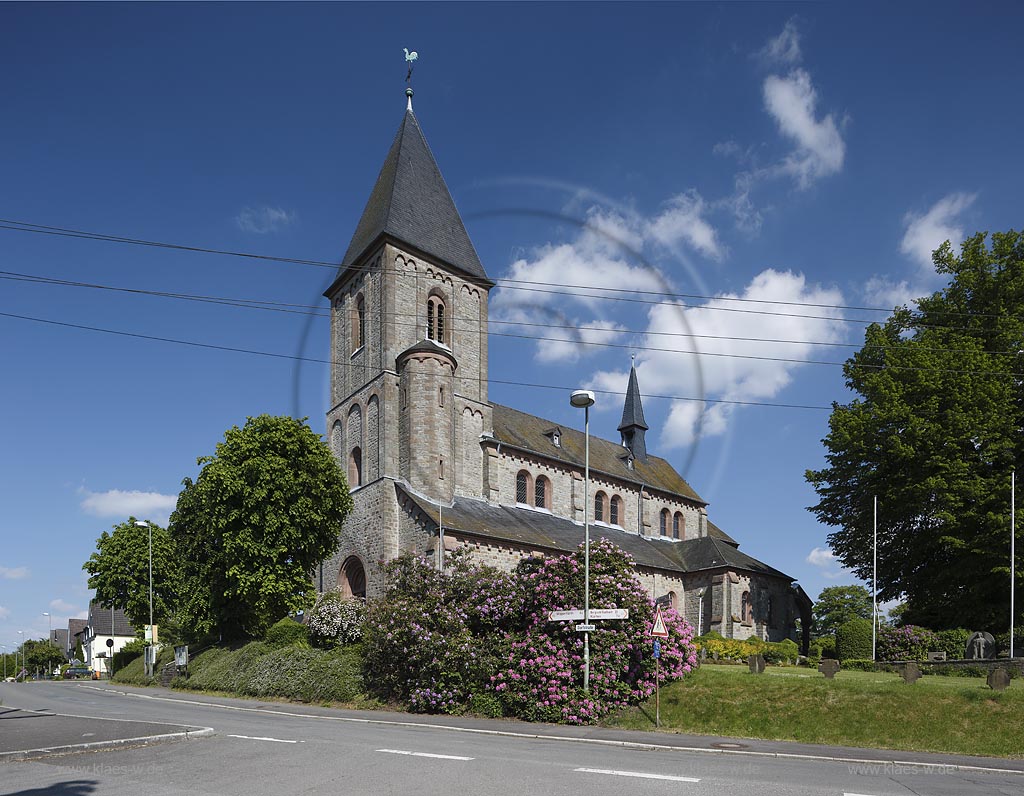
(352, 578)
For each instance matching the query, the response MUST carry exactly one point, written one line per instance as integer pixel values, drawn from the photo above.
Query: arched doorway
(352, 578)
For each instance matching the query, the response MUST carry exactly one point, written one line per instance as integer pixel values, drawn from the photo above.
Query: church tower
(408, 348)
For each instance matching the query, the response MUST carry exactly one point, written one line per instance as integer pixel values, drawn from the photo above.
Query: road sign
(595, 613)
(110, 642)
(659, 630)
(586, 628)
(657, 648)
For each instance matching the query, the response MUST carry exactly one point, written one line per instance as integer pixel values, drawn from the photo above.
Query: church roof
(718, 533)
(522, 430)
(633, 410)
(411, 203)
(538, 529)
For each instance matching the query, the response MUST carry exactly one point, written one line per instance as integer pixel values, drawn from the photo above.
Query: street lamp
(141, 524)
(16, 673)
(49, 641)
(584, 399)
(4, 648)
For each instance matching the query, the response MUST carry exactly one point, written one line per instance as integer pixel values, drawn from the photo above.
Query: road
(279, 748)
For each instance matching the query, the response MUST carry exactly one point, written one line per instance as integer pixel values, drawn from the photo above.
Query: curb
(877, 761)
(145, 740)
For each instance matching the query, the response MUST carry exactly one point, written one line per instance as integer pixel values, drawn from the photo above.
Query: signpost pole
(657, 691)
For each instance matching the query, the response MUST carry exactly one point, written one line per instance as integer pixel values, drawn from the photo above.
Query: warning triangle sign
(659, 630)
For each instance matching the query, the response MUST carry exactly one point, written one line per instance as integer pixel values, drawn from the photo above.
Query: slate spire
(410, 203)
(633, 425)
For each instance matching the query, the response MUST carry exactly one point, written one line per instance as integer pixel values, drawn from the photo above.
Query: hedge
(853, 639)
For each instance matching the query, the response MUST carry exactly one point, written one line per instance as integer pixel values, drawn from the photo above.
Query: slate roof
(411, 203)
(59, 638)
(99, 621)
(76, 626)
(537, 529)
(632, 408)
(718, 533)
(522, 430)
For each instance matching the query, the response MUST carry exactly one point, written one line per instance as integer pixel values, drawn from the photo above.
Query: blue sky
(809, 153)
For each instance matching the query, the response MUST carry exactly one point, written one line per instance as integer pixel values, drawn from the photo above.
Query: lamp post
(17, 672)
(49, 641)
(4, 648)
(141, 524)
(584, 399)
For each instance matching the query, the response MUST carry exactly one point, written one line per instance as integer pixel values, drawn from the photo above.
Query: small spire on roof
(408, 104)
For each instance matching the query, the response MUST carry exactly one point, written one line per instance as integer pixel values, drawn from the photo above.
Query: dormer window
(555, 435)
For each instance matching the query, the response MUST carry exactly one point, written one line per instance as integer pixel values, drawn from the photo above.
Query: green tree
(119, 571)
(264, 511)
(41, 655)
(837, 605)
(934, 432)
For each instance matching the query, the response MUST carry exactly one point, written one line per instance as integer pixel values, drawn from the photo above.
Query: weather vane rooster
(410, 58)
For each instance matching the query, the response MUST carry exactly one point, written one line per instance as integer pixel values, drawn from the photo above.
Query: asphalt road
(278, 748)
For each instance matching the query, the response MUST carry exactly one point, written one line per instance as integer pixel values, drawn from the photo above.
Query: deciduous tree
(933, 432)
(837, 605)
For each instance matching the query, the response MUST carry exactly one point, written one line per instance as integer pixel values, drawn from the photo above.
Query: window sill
(357, 352)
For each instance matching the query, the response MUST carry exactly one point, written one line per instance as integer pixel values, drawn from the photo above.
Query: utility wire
(317, 360)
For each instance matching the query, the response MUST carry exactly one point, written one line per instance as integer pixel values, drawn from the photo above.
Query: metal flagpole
(874, 581)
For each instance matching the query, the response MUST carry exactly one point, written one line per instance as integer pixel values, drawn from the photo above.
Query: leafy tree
(119, 571)
(263, 512)
(41, 655)
(934, 432)
(837, 605)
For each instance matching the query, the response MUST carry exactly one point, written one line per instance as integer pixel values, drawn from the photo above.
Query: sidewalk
(27, 734)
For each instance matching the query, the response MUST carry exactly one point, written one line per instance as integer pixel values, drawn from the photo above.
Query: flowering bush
(481, 637)
(906, 643)
(542, 669)
(336, 620)
(728, 649)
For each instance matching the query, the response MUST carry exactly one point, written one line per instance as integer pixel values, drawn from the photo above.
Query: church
(433, 465)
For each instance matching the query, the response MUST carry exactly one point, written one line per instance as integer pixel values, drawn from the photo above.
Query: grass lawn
(958, 715)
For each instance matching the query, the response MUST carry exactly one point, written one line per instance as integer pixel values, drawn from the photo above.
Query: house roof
(99, 621)
(410, 202)
(59, 637)
(76, 626)
(539, 529)
(522, 430)
(718, 533)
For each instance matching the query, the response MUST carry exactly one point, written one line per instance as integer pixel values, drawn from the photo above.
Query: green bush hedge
(134, 672)
(287, 631)
(293, 672)
(726, 649)
(129, 652)
(953, 642)
(853, 639)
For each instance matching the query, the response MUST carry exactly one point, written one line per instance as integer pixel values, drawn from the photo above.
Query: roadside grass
(954, 715)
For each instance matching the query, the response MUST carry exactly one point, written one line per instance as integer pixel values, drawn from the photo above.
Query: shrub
(860, 664)
(826, 646)
(129, 652)
(336, 620)
(1003, 642)
(905, 643)
(134, 672)
(853, 639)
(952, 642)
(785, 651)
(485, 705)
(286, 632)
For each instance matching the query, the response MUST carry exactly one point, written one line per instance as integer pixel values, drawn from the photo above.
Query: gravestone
(828, 667)
(998, 679)
(980, 646)
(911, 672)
(936, 656)
(756, 664)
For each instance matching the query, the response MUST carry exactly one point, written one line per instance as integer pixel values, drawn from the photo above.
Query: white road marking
(640, 774)
(856, 794)
(260, 738)
(423, 754)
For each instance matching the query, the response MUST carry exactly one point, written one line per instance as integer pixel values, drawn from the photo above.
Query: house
(425, 449)
(103, 625)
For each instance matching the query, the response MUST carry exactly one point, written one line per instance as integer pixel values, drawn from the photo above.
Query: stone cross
(911, 672)
(756, 664)
(999, 679)
(828, 667)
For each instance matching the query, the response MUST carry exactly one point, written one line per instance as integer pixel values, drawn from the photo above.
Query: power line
(317, 360)
(310, 310)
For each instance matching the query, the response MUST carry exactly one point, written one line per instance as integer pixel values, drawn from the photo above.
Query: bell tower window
(358, 323)
(436, 320)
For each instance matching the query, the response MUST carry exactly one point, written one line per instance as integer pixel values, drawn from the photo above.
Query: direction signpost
(588, 617)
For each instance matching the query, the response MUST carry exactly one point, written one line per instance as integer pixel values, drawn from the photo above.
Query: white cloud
(886, 293)
(262, 220)
(14, 573)
(927, 231)
(65, 607)
(682, 221)
(748, 369)
(820, 149)
(118, 503)
(4, 612)
(821, 557)
(784, 48)
(574, 343)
